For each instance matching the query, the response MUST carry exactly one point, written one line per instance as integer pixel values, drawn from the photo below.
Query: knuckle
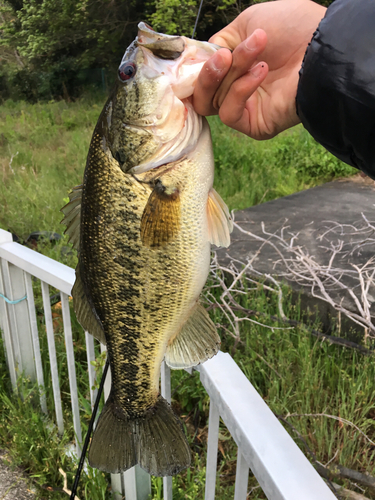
(226, 116)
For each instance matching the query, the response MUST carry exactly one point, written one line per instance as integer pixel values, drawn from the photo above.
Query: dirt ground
(14, 484)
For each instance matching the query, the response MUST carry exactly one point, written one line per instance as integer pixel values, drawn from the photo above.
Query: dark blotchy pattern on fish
(112, 237)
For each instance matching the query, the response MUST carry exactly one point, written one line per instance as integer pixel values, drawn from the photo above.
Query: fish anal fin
(161, 217)
(220, 223)
(72, 216)
(155, 441)
(196, 342)
(84, 312)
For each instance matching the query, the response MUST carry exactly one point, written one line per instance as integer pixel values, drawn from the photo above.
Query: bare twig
(65, 488)
(294, 263)
(11, 161)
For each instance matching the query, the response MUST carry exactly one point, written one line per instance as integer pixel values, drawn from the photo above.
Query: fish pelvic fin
(86, 316)
(196, 342)
(220, 223)
(155, 441)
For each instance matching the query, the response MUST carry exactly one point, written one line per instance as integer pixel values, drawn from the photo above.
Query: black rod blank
(89, 431)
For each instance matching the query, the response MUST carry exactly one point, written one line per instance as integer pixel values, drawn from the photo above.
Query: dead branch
(345, 494)
(340, 472)
(294, 263)
(316, 333)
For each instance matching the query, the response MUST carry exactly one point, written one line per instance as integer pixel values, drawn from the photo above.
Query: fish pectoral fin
(196, 342)
(161, 216)
(72, 213)
(84, 312)
(220, 223)
(155, 441)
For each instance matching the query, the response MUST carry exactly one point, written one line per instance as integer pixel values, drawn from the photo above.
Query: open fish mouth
(173, 64)
(162, 46)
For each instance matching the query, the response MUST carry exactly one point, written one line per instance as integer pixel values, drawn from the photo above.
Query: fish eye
(126, 71)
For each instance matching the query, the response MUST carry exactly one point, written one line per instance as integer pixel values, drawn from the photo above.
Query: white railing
(264, 446)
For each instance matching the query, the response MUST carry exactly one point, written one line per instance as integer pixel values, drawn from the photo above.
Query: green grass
(302, 375)
(43, 149)
(48, 143)
(249, 172)
(293, 372)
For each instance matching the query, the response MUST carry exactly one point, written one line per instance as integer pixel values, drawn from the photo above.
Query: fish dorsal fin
(86, 316)
(72, 213)
(161, 217)
(196, 342)
(220, 223)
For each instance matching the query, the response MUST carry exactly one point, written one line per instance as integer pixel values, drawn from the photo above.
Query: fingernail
(252, 42)
(257, 70)
(217, 63)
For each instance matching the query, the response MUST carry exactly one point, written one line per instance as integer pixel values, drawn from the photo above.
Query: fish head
(151, 103)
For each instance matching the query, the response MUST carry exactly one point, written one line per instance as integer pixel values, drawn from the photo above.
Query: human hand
(254, 88)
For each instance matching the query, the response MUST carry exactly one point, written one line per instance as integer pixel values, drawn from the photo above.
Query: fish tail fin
(162, 448)
(155, 441)
(112, 447)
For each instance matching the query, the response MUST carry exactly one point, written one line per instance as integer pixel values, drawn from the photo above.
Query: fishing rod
(196, 21)
(89, 431)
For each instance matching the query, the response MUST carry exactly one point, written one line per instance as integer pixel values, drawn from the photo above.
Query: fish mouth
(174, 62)
(162, 46)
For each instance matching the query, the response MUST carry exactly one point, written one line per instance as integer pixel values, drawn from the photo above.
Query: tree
(52, 48)
(55, 40)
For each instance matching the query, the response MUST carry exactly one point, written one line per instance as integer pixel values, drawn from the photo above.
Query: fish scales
(138, 292)
(147, 215)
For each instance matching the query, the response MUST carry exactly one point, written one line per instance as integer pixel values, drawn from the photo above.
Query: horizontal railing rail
(264, 446)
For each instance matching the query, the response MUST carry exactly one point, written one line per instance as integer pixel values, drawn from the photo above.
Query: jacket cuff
(336, 91)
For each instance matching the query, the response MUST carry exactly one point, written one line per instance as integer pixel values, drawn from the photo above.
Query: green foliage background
(57, 48)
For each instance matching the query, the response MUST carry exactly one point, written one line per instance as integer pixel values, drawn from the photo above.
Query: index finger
(244, 57)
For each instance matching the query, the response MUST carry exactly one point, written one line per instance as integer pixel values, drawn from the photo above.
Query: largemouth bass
(143, 221)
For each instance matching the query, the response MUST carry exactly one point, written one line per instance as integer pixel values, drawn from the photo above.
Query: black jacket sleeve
(336, 91)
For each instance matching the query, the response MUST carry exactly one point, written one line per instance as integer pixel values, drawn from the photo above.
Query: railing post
(242, 477)
(137, 484)
(212, 447)
(15, 318)
(52, 357)
(166, 393)
(4, 318)
(71, 370)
